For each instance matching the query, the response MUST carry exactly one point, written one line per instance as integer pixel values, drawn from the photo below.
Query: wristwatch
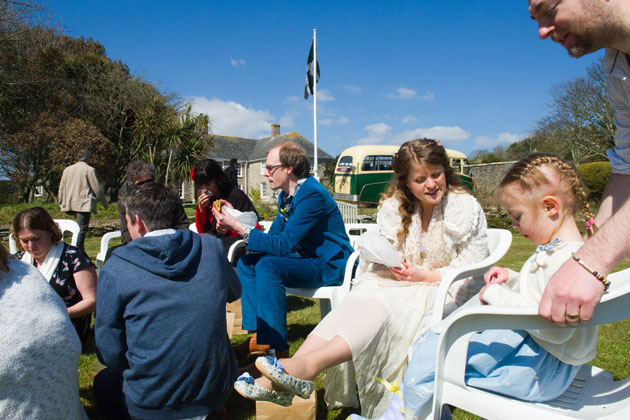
(246, 234)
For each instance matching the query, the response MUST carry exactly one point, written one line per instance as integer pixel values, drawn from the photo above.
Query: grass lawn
(303, 315)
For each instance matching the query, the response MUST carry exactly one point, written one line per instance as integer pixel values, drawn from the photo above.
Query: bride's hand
(409, 272)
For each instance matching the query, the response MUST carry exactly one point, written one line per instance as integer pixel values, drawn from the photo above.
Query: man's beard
(599, 31)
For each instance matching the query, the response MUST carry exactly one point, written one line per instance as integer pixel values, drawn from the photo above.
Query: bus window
(456, 164)
(385, 163)
(369, 163)
(345, 164)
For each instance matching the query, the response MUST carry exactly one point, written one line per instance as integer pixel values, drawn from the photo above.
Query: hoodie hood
(170, 256)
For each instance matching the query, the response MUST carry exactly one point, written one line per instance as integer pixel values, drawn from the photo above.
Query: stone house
(251, 155)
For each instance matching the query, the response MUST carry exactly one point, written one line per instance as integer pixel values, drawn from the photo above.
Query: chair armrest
(234, 247)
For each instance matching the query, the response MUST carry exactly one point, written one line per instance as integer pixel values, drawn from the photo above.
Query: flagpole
(315, 166)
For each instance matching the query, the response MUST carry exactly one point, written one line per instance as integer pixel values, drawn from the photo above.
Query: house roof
(244, 149)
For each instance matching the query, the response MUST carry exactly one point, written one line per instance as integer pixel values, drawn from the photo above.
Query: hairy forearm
(611, 243)
(615, 195)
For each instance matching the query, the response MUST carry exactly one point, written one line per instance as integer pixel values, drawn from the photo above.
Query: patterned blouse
(72, 261)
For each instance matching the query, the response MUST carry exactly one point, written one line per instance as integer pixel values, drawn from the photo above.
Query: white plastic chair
(499, 241)
(102, 253)
(330, 296)
(592, 395)
(66, 225)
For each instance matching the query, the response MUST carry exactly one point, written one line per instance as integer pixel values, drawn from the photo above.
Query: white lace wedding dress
(381, 317)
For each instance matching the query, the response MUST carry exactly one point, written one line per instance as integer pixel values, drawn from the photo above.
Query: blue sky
(471, 73)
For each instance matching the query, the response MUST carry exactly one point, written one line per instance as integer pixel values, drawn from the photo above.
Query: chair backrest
(102, 253)
(193, 227)
(66, 225)
(499, 241)
(354, 230)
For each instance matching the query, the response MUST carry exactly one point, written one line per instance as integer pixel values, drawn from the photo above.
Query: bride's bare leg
(312, 342)
(307, 365)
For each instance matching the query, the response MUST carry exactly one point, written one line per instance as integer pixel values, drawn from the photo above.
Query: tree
(580, 127)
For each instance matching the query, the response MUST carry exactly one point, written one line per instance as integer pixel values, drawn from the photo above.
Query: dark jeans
(83, 219)
(109, 395)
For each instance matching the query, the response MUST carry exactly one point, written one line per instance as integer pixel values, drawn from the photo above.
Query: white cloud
(353, 89)
(324, 95)
(235, 62)
(377, 133)
(330, 121)
(293, 99)
(380, 134)
(409, 119)
(402, 93)
(428, 97)
(486, 142)
(233, 119)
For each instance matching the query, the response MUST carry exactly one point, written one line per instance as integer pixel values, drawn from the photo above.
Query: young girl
(541, 194)
(434, 225)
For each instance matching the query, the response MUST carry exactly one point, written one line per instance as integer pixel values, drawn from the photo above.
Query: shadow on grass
(323, 412)
(297, 303)
(297, 331)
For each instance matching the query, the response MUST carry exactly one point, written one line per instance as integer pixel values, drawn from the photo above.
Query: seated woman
(434, 224)
(214, 185)
(66, 268)
(40, 350)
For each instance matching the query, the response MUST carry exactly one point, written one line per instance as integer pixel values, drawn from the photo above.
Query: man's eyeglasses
(272, 167)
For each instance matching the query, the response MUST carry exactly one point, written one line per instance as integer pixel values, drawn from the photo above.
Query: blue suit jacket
(314, 228)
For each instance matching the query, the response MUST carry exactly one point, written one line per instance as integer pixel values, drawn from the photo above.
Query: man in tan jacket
(78, 191)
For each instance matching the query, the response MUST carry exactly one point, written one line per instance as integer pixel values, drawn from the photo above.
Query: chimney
(275, 130)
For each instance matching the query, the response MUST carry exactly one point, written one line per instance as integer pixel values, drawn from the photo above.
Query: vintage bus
(362, 173)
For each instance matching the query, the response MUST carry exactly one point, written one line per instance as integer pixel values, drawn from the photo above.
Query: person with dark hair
(213, 184)
(232, 173)
(139, 173)
(434, 225)
(307, 246)
(160, 326)
(66, 268)
(39, 349)
(78, 191)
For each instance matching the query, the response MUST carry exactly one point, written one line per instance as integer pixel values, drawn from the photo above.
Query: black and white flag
(308, 88)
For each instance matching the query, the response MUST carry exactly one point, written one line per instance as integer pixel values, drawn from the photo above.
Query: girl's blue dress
(502, 361)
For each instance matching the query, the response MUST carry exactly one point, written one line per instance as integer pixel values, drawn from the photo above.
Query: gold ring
(573, 317)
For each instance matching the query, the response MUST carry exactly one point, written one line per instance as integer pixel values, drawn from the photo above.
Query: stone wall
(487, 177)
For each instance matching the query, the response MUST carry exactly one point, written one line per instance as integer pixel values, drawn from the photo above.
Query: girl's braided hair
(416, 152)
(527, 174)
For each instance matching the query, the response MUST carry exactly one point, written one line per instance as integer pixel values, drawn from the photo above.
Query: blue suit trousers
(264, 279)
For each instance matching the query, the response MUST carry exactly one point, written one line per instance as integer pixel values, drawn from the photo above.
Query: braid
(528, 175)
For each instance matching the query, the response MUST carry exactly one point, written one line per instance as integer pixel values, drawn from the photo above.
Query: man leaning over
(583, 27)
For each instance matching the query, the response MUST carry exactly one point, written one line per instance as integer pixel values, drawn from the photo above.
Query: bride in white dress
(434, 224)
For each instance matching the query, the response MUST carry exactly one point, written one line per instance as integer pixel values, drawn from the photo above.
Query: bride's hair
(417, 152)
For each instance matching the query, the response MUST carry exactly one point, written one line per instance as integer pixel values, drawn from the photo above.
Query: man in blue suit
(306, 246)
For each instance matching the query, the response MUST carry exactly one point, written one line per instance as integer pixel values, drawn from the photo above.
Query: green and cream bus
(362, 173)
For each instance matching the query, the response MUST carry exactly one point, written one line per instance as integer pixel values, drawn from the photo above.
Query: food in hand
(217, 204)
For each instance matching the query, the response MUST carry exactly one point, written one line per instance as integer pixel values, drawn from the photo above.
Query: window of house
(39, 191)
(239, 169)
(262, 167)
(263, 190)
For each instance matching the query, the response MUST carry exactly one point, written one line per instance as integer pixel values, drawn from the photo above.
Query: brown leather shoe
(256, 349)
(250, 347)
